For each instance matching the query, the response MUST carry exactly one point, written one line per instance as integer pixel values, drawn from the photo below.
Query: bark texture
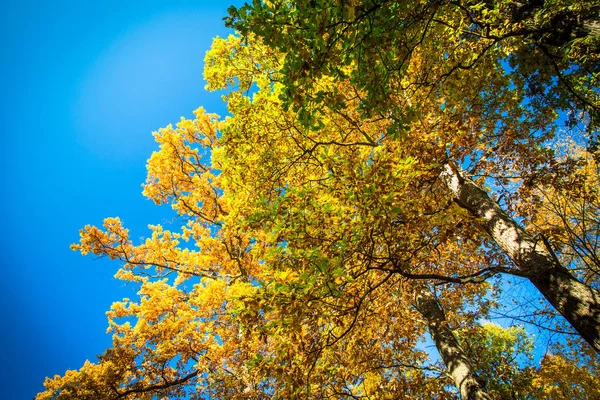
(458, 364)
(577, 302)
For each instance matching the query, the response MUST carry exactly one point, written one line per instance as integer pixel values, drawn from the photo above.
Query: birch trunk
(577, 302)
(458, 364)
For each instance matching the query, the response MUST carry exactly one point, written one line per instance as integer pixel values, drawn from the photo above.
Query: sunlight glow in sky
(84, 84)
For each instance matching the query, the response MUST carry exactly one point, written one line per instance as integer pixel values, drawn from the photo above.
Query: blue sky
(84, 84)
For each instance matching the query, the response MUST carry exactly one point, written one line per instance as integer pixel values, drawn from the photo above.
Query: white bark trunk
(577, 302)
(458, 364)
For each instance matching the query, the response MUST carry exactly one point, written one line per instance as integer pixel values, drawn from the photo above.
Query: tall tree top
(550, 49)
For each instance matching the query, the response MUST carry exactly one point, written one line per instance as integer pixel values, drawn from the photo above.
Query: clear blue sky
(83, 86)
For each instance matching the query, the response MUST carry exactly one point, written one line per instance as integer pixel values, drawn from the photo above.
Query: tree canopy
(382, 166)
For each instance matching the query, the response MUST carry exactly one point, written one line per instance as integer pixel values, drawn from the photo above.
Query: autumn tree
(339, 177)
(475, 89)
(327, 223)
(506, 354)
(282, 294)
(245, 317)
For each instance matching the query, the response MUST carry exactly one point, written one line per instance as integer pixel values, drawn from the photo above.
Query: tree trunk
(452, 354)
(577, 302)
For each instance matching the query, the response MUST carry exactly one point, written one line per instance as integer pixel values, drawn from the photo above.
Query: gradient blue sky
(84, 84)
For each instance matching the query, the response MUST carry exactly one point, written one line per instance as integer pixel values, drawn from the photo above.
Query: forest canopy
(391, 176)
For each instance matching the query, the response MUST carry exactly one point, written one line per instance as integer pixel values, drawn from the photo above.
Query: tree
(454, 357)
(253, 291)
(506, 354)
(552, 46)
(461, 87)
(272, 310)
(560, 377)
(314, 247)
(503, 357)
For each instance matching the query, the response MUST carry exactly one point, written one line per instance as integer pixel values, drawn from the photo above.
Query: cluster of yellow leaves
(560, 378)
(180, 172)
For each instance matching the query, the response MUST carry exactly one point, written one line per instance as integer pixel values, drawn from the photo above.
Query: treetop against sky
(382, 169)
